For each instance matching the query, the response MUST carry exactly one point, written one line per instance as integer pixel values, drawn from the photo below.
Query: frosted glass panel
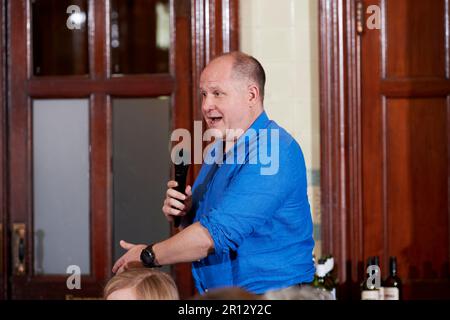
(61, 185)
(141, 169)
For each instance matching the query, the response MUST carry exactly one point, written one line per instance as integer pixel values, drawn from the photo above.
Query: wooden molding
(341, 140)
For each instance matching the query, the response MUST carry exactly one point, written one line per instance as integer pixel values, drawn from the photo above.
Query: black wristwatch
(148, 257)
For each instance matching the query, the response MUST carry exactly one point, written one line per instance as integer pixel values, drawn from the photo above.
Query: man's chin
(218, 131)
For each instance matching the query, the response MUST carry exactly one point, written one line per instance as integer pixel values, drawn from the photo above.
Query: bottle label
(370, 295)
(381, 293)
(333, 293)
(391, 293)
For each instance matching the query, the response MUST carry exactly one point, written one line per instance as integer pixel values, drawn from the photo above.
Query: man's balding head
(247, 67)
(232, 88)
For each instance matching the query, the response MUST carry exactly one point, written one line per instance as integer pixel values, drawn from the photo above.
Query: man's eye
(203, 94)
(216, 93)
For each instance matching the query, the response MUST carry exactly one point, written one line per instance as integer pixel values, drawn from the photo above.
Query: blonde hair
(148, 284)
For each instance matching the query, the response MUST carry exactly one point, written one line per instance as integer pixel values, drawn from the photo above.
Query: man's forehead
(212, 79)
(217, 68)
(210, 85)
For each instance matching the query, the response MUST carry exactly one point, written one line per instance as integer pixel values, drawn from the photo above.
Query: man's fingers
(117, 265)
(173, 212)
(175, 204)
(176, 212)
(188, 191)
(121, 269)
(172, 184)
(169, 212)
(126, 245)
(172, 193)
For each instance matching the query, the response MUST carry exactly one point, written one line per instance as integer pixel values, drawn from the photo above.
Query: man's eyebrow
(212, 87)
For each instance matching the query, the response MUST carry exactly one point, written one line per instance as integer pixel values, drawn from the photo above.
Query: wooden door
(88, 72)
(387, 178)
(406, 145)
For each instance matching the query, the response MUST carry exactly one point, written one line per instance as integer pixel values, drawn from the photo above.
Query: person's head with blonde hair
(141, 284)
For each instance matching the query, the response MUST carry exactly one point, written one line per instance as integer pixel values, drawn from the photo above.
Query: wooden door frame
(340, 118)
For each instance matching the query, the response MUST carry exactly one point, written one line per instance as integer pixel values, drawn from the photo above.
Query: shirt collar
(260, 122)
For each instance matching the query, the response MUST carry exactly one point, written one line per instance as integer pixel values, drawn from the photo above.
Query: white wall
(283, 36)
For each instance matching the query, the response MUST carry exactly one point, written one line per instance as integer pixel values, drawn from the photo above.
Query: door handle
(19, 248)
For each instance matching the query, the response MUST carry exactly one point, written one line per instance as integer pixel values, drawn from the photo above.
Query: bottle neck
(393, 268)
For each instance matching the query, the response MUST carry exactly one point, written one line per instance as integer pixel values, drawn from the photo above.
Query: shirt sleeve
(252, 198)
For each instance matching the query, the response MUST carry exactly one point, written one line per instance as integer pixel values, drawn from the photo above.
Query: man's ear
(253, 93)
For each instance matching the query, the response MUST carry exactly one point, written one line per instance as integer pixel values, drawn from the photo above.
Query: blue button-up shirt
(257, 213)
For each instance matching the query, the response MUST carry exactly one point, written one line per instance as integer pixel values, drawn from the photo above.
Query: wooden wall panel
(415, 38)
(417, 219)
(385, 136)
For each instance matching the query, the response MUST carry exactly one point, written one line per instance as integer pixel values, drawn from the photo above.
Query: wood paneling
(416, 168)
(385, 124)
(415, 38)
(129, 86)
(340, 127)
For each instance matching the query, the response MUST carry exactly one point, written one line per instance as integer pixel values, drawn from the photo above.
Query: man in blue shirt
(251, 223)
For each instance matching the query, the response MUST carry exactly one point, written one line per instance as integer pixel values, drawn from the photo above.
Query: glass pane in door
(141, 162)
(59, 37)
(61, 185)
(140, 36)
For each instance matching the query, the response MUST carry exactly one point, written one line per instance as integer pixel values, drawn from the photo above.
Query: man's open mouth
(214, 120)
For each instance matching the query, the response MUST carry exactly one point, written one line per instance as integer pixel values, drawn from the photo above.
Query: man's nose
(207, 104)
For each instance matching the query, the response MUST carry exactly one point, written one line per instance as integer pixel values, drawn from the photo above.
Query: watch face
(146, 257)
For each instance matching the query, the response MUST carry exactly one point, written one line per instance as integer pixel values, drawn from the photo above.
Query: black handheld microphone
(181, 171)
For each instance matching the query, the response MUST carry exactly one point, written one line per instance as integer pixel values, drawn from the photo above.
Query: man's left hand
(133, 254)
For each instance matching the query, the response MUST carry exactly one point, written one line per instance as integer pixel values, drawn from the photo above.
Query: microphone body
(181, 171)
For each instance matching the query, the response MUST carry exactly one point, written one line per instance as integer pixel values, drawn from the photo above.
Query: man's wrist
(155, 249)
(148, 257)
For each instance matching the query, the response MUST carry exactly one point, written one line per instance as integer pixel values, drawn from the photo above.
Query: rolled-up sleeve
(252, 198)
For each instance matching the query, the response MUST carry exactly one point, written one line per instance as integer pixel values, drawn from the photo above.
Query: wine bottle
(323, 278)
(392, 285)
(368, 289)
(330, 277)
(376, 262)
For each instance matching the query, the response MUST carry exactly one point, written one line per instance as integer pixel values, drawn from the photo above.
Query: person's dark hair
(247, 66)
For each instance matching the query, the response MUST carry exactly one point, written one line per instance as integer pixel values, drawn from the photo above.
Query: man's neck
(228, 144)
